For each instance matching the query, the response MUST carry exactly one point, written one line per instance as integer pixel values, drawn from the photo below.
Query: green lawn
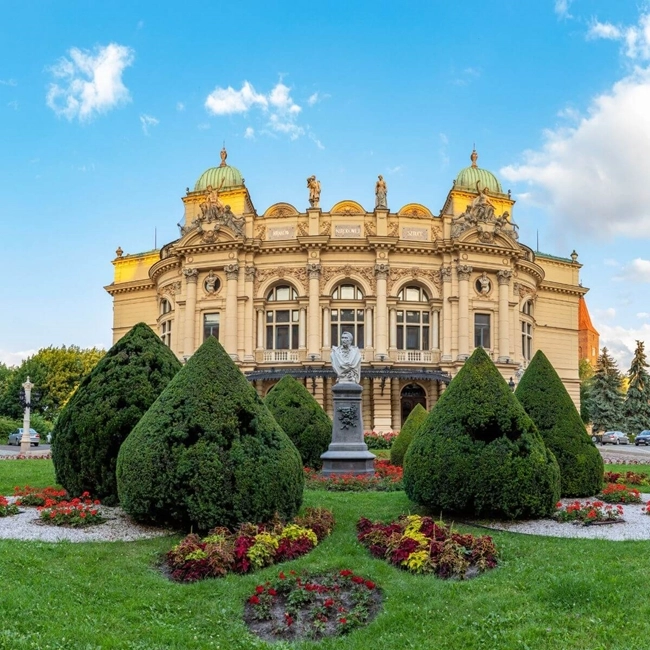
(548, 593)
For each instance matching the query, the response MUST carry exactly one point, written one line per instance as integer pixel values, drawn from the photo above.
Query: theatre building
(417, 290)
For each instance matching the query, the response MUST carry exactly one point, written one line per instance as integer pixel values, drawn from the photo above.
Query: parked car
(614, 438)
(643, 438)
(16, 436)
(596, 437)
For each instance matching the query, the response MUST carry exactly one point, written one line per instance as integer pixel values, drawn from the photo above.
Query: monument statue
(212, 206)
(380, 192)
(346, 361)
(314, 191)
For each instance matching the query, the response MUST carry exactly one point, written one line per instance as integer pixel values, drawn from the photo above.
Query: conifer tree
(606, 399)
(413, 422)
(637, 401)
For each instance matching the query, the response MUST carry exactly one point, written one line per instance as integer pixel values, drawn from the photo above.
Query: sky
(108, 111)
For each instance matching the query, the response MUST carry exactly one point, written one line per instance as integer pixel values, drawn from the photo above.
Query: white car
(16, 437)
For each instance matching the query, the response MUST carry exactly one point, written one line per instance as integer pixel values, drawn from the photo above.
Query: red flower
(345, 573)
(370, 584)
(328, 603)
(282, 576)
(288, 619)
(343, 621)
(259, 589)
(357, 579)
(254, 600)
(272, 592)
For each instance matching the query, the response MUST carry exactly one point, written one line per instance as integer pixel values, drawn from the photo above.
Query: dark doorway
(412, 394)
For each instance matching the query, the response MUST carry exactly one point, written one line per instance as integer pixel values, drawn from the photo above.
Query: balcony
(279, 356)
(416, 356)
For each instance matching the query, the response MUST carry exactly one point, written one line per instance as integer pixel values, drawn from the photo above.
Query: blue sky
(108, 111)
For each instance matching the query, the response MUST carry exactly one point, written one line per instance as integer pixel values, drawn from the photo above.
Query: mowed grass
(547, 593)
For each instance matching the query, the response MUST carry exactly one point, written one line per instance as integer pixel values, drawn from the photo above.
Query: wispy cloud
(89, 83)
(635, 39)
(180, 107)
(13, 104)
(148, 121)
(8, 82)
(316, 141)
(467, 76)
(317, 97)
(562, 8)
(394, 170)
(15, 358)
(444, 150)
(249, 134)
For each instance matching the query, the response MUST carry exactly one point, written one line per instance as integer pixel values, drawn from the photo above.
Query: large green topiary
(413, 422)
(479, 453)
(104, 409)
(544, 397)
(208, 452)
(301, 418)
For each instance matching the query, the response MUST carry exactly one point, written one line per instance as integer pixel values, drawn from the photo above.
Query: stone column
(191, 276)
(393, 329)
(313, 327)
(464, 272)
(260, 329)
(367, 400)
(368, 327)
(327, 329)
(382, 420)
(503, 278)
(301, 328)
(395, 405)
(249, 314)
(381, 336)
(445, 274)
(230, 338)
(435, 330)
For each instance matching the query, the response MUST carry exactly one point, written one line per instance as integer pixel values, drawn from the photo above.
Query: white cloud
(394, 170)
(8, 82)
(90, 83)
(316, 141)
(634, 38)
(203, 126)
(611, 262)
(591, 176)
(606, 314)
(313, 99)
(639, 270)
(147, 121)
(13, 104)
(225, 101)
(467, 76)
(604, 30)
(562, 8)
(621, 341)
(15, 358)
(249, 133)
(643, 314)
(180, 107)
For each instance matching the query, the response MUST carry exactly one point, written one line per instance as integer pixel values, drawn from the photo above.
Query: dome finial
(224, 155)
(474, 157)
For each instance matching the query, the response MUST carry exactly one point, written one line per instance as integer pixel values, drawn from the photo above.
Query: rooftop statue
(314, 191)
(380, 192)
(346, 361)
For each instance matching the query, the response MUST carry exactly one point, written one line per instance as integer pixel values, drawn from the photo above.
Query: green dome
(468, 177)
(220, 178)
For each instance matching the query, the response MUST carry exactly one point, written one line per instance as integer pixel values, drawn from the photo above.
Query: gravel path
(117, 528)
(636, 526)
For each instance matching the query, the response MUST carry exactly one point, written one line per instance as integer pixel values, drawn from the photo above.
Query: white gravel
(118, 527)
(635, 527)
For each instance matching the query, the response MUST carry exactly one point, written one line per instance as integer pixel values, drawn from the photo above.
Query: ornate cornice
(171, 289)
(263, 275)
(127, 287)
(348, 271)
(414, 272)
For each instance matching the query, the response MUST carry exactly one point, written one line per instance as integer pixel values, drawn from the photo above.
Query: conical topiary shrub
(208, 452)
(301, 418)
(545, 399)
(104, 409)
(479, 453)
(413, 422)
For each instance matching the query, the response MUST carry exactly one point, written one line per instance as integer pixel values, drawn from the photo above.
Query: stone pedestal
(347, 453)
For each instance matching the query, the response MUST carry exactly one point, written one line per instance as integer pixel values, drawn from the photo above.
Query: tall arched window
(282, 322)
(165, 322)
(527, 330)
(413, 320)
(348, 314)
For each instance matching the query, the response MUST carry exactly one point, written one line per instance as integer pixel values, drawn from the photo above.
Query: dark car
(643, 438)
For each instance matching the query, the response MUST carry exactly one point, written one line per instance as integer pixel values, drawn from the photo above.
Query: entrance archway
(412, 394)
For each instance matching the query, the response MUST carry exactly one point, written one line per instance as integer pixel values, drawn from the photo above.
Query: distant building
(588, 337)
(418, 291)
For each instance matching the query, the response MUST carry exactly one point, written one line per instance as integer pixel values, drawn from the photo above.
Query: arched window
(165, 307)
(527, 308)
(413, 324)
(166, 321)
(282, 325)
(348, 316)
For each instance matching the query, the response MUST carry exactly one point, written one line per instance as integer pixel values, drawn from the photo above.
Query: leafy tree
(637, 400)
(413, 422)
(5, 376)
(301, 418)
(208, 452)
(606, 398)
(545, 399)
(55, 373)
(479, 453)
(105, 408)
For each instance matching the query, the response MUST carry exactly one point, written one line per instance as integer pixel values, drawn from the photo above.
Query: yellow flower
(293, 531)
(418, 562)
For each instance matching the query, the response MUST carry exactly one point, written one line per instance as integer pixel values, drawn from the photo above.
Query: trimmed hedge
(208, 452)
(301, 418)
(104, 409)
(545, 399)
(479, 453)
(413, 422)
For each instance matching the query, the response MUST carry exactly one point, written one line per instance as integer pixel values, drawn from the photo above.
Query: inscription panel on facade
(281, 232)
(415, 234)
(347, 230)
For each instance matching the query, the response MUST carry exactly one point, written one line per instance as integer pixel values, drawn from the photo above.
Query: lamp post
(25, 443)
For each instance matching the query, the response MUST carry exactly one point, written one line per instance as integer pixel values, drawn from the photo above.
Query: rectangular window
(210, 326)
(412, 330)
(526, 340)
(166, 333)
(482, 331)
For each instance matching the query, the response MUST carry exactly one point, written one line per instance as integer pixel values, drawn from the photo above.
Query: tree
(606, 399)
(413, 422)
(208, 452)
(55, 373)
(546, 400)
(105, 408)
(479, 453)
(637, 400)
(585, 373)
(301, 417)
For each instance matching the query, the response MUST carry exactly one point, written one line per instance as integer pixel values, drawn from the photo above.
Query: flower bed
(297, 607)
(27, 457)
(387, 478)
(7, 509)
(250, 547)
(618, 493)
(378, 440)
(77, 513)
(631, 478)
(419, 545)
(30, 496)
(646, 509)
(588, 513)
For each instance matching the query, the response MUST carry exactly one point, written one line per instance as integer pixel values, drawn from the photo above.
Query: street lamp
(511, 383)
(25, 443)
